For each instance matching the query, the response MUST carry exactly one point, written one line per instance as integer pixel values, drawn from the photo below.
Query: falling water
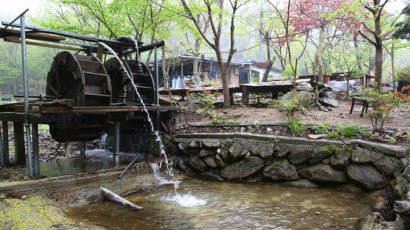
(158, 138)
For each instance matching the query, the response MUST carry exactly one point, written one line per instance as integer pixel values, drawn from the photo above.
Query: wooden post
(5, 159)
(100, 52)
(19, 147)
(82, 155)
(245, 95)
(36, 154)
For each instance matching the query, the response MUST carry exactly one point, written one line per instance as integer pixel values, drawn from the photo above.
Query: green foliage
(403, 74)
(331, 148)
(351, 131)
(392, 140)
(367, 134)
(321, 129)
(403, 27)
(289, 107)
(333, 134)
(382, 103)
(296, 126)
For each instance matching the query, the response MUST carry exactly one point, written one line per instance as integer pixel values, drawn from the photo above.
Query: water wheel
(122, 88)
(85, 80)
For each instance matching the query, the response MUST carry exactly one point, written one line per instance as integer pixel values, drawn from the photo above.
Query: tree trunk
(227, 100)
(392, 68)
(270, 63)
(358, 59)
(195, 64)
(379, 53)
(320, 51)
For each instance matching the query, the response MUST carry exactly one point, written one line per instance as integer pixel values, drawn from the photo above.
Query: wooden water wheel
(122, 88)
(85, 80)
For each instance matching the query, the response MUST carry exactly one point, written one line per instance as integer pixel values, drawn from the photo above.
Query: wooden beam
(17, 40)
(19, 147)
(33, 35)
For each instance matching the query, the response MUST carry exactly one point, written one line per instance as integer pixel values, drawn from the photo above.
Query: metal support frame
(26, 100)
(36, 153)
(5, 160)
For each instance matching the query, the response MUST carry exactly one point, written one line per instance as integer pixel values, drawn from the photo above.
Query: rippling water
(220, 205)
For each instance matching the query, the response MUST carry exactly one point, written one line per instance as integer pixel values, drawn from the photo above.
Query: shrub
(333, 134)
(351, 131)
(382, 104)
(320, 129)
(296, 126)
(289, 107)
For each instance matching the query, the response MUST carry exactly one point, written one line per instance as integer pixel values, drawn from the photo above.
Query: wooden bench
(364, 102)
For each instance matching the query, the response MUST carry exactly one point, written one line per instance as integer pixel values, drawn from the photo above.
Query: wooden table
(364, 102)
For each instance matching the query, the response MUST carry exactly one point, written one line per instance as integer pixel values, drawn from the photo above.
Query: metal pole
(36, 154)
(27, 125)
(157, 82)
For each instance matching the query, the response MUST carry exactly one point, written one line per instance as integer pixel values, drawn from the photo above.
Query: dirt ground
(400, 118)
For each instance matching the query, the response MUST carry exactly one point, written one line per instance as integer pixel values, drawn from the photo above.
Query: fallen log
(117, 199)
(135, 191)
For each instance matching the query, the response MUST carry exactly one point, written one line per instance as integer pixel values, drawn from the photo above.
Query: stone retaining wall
(247, 157)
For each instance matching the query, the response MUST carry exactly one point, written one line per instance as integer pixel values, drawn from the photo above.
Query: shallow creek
(220, 205)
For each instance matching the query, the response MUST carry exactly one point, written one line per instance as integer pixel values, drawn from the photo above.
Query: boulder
(389, 166)
(366, 176)
(319, 154)
(181, 164)
(304, 86)
(362, 155)
(243, 168)
(239, 148)
(330, 102)
(205, 153)
(211, 176)
(280, 170)
(211, 143)
(302, 183)
(262, 148)
(196, 163)
(281, 150)
(340, 159)
(219, 161)
(323, 173)
(300, 154)
(210, 161)
(193, 144)
(304, 98)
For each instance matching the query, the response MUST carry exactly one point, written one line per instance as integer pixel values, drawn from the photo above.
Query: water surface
(222, 205)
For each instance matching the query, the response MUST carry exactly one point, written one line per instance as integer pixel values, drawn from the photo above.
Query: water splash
(161, 180)
(185, 201)
(155, 132)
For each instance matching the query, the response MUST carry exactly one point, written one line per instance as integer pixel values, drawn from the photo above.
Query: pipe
(26, 100)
